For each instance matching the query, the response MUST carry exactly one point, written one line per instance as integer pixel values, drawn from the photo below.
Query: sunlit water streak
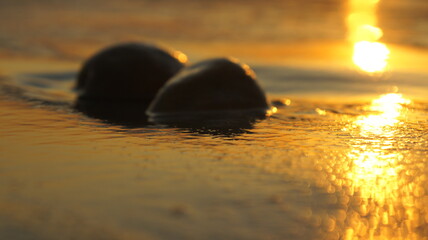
(376, 167)
(387, 109)
(378, 173)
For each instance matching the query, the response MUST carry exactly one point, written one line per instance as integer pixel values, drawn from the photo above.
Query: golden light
(271, 111)
(321, 111)
(374, 169)
(387, 109)
(376, 165)
(384, 188)
(180, 56)
(374, 172)
(368, 33)
(371, 56)
(368, 54)
(391, 102)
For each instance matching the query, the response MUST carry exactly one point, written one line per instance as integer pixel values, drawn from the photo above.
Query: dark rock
(131, 72)
(118, 83)
(218, 86)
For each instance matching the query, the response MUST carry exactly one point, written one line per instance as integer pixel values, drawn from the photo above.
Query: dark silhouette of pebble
(119, 83)
(130, 72)
(219, 86)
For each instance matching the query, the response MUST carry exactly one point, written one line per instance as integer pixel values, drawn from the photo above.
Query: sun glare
(374, 172)
(378, 172)
(387, 109)
(369, 54)
(375, 168)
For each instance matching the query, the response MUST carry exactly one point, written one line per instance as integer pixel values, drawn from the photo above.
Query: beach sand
(344, 156)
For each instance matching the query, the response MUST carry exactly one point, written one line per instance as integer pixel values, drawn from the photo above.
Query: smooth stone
(130, 72)
(218, 86)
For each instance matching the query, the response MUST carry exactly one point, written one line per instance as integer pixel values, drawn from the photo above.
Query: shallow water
(332, 163)
(316, 169)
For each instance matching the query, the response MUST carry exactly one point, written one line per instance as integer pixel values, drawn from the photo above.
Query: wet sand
(332, 163)
(315, 169)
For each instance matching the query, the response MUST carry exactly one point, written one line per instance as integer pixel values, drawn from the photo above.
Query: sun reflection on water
(369, 54)
(374, 166)
(385, 191)
(385, 112)
(374, 172)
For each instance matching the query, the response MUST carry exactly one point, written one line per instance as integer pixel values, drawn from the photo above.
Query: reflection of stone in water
(215, 125)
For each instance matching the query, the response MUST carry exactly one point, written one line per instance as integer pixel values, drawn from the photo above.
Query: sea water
(342, 157)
